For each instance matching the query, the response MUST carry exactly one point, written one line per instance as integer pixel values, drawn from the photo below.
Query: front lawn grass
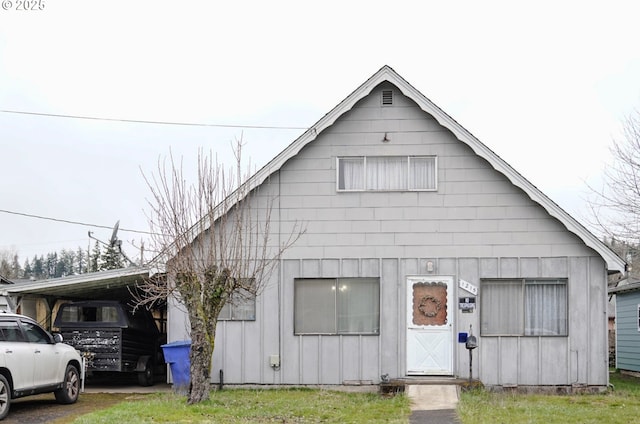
(258, 406)
(621, 405)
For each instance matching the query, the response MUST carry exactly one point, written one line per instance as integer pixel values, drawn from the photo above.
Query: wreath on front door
(429, 306)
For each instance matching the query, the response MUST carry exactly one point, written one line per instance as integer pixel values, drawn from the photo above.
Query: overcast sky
(544, 84)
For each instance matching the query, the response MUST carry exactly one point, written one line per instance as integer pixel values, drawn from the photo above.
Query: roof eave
(36, 286)
(613, 261)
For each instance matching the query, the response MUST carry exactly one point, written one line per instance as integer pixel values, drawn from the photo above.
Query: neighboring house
(415, 232)
(611, 315)
(627, 331)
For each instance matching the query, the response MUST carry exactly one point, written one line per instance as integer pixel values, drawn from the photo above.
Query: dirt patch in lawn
(45, 409)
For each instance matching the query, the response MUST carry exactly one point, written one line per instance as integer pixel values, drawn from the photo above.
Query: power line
(138, 121)
(66, 221)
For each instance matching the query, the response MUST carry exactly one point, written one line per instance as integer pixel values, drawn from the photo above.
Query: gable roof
(386, 73)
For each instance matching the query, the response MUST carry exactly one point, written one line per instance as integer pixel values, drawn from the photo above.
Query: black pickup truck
(112, 338)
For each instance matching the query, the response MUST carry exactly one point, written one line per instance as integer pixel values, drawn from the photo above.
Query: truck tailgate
(102, 348)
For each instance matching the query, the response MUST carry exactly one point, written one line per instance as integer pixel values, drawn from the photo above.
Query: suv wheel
(5, 397)
(71, 387)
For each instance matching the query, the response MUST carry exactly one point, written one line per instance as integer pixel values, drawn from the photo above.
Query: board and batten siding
(476, 225)
(243, 348)
(627, 334)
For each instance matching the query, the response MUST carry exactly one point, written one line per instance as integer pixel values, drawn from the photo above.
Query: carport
(128, 344)
(39, 299)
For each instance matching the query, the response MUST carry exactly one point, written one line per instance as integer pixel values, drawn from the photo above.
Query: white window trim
(522, 300)
(409, 157)
(638, 318)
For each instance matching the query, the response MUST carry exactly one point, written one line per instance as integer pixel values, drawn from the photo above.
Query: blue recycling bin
(176, 354)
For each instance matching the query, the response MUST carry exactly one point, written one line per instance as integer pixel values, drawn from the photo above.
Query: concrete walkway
(434, 404)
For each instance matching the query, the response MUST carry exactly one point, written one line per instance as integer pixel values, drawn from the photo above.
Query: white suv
(32, 361)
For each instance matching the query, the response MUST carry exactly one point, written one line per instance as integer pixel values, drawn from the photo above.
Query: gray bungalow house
(416, 233)
(627, 323)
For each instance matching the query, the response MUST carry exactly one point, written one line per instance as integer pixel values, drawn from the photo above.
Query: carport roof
(93, 285)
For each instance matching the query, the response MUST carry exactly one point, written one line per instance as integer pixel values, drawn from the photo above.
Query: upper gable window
(387, 173)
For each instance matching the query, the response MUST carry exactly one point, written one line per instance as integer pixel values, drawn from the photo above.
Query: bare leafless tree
(216, 242)
(616, 205)
(9, 266)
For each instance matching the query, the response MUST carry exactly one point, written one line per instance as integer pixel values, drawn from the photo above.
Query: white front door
(430, 314)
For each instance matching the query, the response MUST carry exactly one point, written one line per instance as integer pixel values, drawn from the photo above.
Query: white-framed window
(524, 307)
(387, 173)
(337, 306)
(638, 316)
(240, 307)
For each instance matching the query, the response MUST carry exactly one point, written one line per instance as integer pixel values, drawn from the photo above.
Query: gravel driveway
(44, 408)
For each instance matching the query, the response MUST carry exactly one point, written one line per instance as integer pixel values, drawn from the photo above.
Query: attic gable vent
(387, 97)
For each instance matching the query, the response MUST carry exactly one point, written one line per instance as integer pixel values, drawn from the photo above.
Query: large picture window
(337, 306)
(387, 173)
(524, 307)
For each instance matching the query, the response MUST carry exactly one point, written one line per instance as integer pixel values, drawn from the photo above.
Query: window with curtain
(240, 307)
(337, 306)
(386, 173)
(524, 307)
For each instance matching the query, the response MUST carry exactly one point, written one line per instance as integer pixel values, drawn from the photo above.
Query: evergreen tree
(61, 269)
(68, 258)
(60, 264)
(5, 268)
(94, 259)
(27, 272)
(16, 269)
(111, 259)
(81, 261)
(38, 267)
(50, 265)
